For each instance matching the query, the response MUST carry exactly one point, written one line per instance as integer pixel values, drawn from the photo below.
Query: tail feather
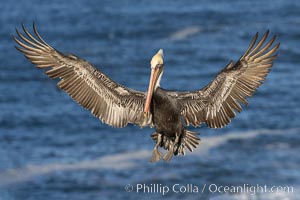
(191, 138)
(188, 140)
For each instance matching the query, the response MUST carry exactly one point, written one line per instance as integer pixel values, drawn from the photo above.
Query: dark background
(51, 148)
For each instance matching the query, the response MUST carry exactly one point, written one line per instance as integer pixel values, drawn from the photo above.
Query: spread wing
(216, 103)
(109, 101)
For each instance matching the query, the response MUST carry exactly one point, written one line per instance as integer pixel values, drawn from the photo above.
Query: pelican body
(169, 112)
(170, 132)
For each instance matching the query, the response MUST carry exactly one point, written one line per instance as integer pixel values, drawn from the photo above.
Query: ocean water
(51, 148)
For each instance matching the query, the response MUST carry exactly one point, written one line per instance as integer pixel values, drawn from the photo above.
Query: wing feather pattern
(216, 103)
(109, 101)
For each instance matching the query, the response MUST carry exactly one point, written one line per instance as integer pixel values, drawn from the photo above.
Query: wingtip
(13, 37)
(34, 25)
(266, 34)
(268, 31)
(276, 46)
(24, 28)
(23, 25)
(16, 47)
(17, 31)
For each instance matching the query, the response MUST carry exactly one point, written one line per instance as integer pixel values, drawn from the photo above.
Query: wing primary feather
(33, 38)
(251, 45)
(28, 41)
(28, 47)
(25, 51)
(267, 54)
(265, 47)
(260, 43)
(38, 35)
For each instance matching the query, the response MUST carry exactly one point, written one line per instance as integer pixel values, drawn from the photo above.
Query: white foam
(208, 143)
(115, 162)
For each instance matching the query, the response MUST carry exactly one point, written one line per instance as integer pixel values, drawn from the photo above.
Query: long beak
(153, 79)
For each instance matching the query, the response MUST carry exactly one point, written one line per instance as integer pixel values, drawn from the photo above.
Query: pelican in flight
(169, 112)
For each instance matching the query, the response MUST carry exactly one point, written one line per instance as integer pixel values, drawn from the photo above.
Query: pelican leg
(156, 155)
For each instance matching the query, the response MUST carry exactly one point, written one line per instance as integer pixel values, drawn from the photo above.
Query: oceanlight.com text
(142, 188)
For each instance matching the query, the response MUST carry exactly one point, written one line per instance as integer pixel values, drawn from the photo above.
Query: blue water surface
(51, 148)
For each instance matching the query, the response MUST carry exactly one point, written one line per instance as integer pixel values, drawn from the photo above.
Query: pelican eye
(159, 65)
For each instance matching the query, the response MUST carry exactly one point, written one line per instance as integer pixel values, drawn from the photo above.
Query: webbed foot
(156, 155)
(168, 156)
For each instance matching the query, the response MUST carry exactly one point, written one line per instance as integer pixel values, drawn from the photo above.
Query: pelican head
(157, 66)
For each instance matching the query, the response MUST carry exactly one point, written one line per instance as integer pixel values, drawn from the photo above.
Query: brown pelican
(168, 111)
